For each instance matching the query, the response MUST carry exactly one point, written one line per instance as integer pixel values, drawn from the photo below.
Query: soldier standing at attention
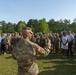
(25, 53)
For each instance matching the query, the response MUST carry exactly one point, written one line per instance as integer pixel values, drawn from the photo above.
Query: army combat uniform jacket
(25, 54)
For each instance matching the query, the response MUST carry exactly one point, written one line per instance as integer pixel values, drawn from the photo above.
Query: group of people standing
(7, 41)
(59, 43)
(67, 41)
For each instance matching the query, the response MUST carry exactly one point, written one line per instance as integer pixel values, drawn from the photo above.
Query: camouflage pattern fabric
(25, 54)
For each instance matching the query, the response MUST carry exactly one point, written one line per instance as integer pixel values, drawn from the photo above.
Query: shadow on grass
(61, 66)
(60, 70)
(45, 73)
(55, 56)
(9, 57)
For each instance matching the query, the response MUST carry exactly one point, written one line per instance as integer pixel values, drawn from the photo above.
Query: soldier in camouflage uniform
(25, 53)
(8, 43)
(57, 44)
(14, 39)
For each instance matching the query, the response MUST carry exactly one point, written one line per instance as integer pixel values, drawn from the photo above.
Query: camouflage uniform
(25, 54)
(57, 44)
(8, 43)
(14, 39)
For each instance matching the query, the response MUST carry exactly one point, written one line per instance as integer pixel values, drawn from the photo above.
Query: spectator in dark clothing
(3, 43)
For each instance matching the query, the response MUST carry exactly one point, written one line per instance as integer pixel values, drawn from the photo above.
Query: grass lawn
(50, 65)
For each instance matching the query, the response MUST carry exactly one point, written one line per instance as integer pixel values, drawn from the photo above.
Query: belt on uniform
(26, 67)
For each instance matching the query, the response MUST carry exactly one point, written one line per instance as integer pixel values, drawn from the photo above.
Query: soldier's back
(25, 56)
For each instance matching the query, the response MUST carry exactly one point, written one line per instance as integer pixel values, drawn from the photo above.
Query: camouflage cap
(27, 29)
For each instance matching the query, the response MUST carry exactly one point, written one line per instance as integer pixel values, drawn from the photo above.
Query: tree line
(39, 26)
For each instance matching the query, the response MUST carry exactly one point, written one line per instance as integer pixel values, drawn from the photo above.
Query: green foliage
(43, 26)
(58, 26)
(66, 21)
(39, 26)
(0, 31)
(7, 27)
(14, 26)
(33, 23)
(20, 25)
(10, 28)
(3, 24)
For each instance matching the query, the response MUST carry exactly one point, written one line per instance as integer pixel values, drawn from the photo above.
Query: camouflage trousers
(33, 70)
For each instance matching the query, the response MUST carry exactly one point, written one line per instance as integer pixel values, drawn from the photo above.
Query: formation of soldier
(9, 40)
(56, 42)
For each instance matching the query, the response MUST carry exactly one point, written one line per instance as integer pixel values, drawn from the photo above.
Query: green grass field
(51, 65)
